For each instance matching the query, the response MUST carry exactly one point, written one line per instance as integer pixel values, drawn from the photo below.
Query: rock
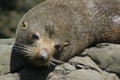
(10, 77)
(65, 68)
(106, 56)
(84, 74)
(86, 69)
(9, 41)
(5, 55)
(110, 76)
(80, 74)
(60, 71)
(84, 63)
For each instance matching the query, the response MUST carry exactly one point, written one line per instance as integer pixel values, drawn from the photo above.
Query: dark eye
(57, 46)
(35, 36)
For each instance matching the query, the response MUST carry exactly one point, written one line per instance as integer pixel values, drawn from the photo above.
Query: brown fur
(77, 23)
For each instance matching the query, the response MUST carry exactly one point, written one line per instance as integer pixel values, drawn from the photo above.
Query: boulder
(5, 55)
(106, 56)
(82, 68)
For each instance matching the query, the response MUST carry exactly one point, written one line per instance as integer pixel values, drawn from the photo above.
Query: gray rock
(110, 76)
(84, 63)
(65, 68)
(80, 74)
(5, 55)
(10, 77)
(106, 56)
(9, 41)
(60, 71)
(84, 74)
(86, 69)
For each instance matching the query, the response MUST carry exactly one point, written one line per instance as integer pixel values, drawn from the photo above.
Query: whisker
(30, 55)
(24, 45)
(22, 48)
(23, 51)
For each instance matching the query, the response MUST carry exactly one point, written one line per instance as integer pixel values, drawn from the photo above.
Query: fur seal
(64, 28)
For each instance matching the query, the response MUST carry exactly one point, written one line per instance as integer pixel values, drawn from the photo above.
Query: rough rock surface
(94, 64)
(106, 56)
(80, 71)
(5, 52)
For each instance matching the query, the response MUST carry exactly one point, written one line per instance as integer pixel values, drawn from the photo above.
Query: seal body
(64, 28)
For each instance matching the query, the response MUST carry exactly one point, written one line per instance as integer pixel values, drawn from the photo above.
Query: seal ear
(24, 25)
(49, 28)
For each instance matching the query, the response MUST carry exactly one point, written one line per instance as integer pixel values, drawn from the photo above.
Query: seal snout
(43, 56)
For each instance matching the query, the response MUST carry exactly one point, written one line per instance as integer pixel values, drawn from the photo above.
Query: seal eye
(57, 46)
(35, 36)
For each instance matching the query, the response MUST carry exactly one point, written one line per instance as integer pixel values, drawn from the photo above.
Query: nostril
(43, 56)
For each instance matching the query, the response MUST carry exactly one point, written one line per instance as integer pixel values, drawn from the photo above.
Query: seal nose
(43, 56)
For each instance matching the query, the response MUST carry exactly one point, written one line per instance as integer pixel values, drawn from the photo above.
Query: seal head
(34, 45)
